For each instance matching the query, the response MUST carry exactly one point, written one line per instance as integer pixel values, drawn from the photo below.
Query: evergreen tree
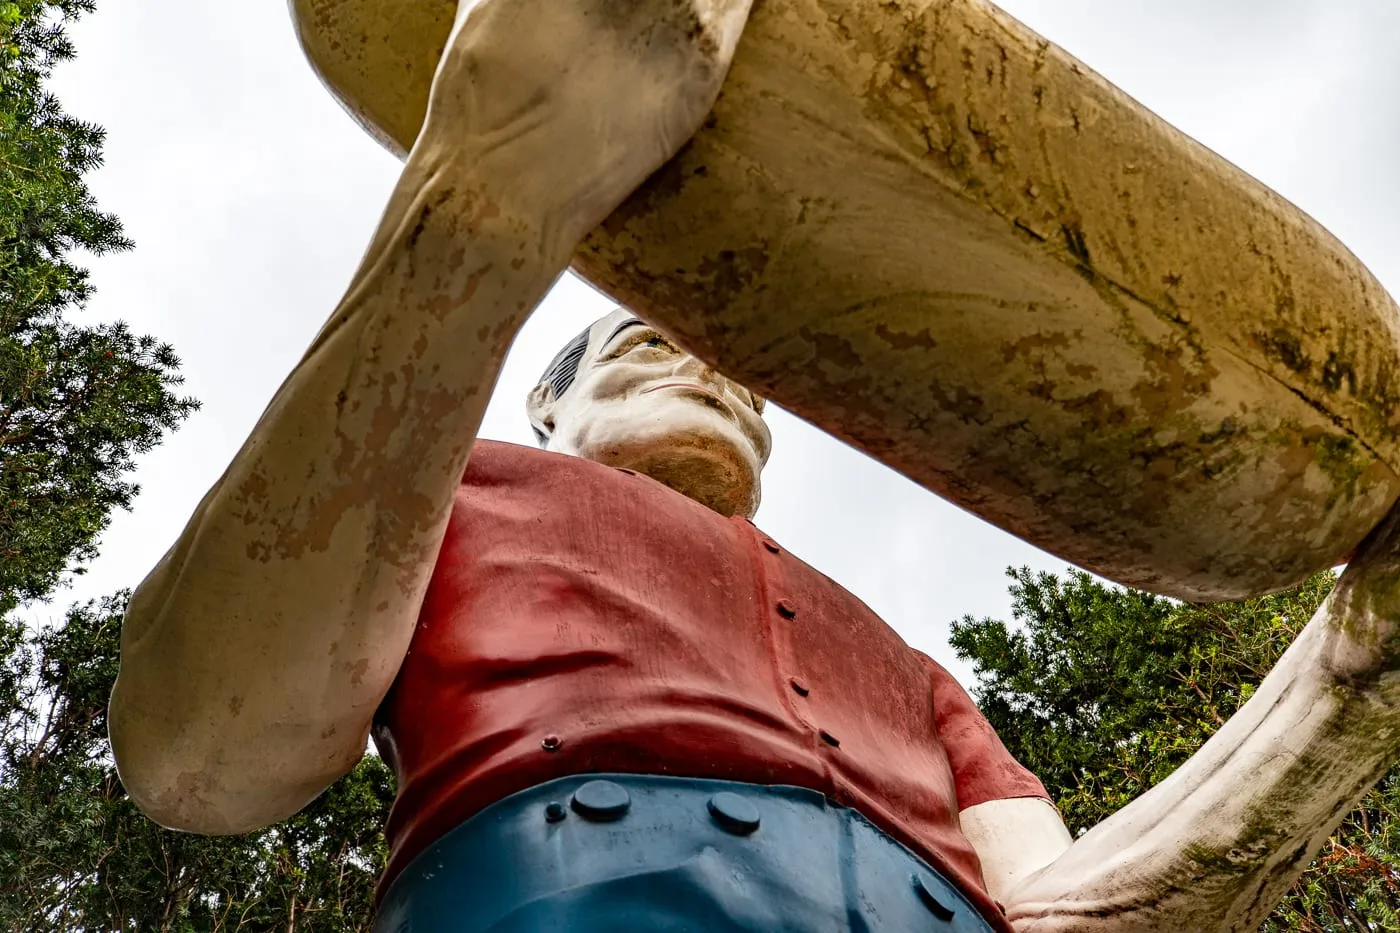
(76, 856)
(77, 403)
(1104, 691)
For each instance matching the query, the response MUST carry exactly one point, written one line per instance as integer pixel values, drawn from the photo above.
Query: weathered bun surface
(941, 238)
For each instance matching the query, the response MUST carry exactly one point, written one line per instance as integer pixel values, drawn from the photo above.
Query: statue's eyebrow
(631, 322)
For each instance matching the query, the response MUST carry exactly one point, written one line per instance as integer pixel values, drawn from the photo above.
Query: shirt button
(786, 609)
(830, 739)
(552, 743)
(799, 688)
(772, 548)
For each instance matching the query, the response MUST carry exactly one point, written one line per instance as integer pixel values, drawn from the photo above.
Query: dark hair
(562, 370)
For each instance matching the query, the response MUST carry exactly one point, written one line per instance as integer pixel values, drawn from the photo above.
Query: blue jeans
(640, 854)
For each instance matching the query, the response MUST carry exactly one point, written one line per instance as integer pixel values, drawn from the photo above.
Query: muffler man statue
(612, 702)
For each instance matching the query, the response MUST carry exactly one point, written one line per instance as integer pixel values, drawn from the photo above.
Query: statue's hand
(563, 107)
(1217, 845)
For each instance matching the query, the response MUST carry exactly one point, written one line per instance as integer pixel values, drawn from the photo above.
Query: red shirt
(586, 619)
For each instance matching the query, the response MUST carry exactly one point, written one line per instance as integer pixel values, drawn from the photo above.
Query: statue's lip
(683, 384)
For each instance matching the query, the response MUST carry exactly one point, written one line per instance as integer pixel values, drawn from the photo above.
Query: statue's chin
(717, 471)
(726, 484)
(699, 450)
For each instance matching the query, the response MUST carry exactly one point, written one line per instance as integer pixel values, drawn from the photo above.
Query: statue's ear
(539, 406)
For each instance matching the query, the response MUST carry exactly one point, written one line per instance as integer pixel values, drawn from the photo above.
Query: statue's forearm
(1217, 845)
(255, 653)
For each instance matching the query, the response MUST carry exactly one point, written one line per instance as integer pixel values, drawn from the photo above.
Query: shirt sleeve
(983, 769)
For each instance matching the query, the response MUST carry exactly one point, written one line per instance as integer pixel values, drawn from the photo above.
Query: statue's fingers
(724, 20)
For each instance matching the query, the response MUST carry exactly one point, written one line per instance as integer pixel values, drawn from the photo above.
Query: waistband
(599, 853)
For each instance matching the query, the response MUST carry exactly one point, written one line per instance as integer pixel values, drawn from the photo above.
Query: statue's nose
(694, 368)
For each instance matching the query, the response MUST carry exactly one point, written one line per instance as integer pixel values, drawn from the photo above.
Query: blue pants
(640, 854)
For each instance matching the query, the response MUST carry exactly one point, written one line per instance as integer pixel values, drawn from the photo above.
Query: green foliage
(76, 403)
(76, 854)
(1104, 691)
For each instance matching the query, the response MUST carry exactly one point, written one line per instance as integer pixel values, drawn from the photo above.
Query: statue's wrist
(541, 188)
(478, 203)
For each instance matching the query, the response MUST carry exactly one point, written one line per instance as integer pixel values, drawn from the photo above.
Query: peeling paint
(888, 198)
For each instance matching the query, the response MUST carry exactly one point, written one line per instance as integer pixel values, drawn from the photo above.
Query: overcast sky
(251, 196)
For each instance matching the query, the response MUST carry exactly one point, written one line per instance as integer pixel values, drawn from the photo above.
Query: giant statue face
(637, 401)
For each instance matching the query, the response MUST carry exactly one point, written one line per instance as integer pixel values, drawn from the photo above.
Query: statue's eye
(653, 340)
(644, 338)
